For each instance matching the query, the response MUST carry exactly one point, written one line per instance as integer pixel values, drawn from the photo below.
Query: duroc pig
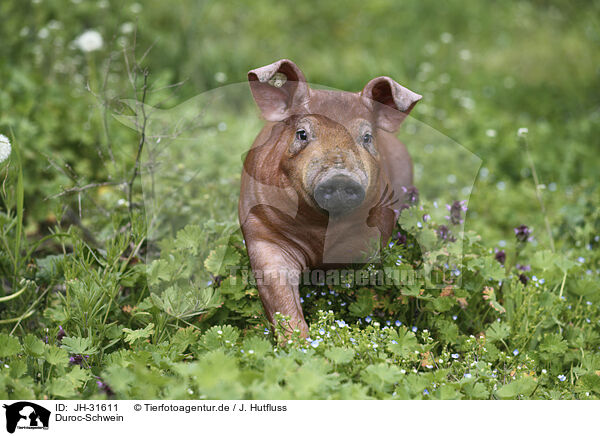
(324, 179)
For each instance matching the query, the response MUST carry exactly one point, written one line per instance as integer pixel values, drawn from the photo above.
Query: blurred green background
(485, 68)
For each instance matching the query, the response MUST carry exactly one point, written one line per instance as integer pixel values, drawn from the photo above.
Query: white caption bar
(297, 417)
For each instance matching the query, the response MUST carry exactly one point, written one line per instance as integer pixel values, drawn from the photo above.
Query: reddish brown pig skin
(285, 230)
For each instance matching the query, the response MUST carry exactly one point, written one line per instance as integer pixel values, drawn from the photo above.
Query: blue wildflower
(515, 352)
(368, 319)
(562, 378)
(398, 323)
(455, 355)
(414, 329)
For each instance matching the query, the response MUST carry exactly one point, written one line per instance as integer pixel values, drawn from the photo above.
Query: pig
(324, 178)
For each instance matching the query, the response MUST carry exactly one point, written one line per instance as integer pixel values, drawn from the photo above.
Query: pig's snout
(339, 195)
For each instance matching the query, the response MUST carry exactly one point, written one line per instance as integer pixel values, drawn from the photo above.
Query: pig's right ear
(280, 90)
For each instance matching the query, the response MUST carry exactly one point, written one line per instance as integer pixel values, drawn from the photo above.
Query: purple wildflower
(444, 234)
(523, 278)
(78, 359)
(500, 256)
(104, 387)
(412, 194)
(400, 239)
(456, 210)
(523, 267)
(522, 233)
(61, 334)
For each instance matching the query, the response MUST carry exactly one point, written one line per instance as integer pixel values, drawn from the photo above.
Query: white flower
(88, 41)
(220, 77)
(446, 38)
(465, 55)
(522, 132)
(4, 148)
(127, 27)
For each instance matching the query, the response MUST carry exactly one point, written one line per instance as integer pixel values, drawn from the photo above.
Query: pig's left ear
(280, 90)
(390, 101)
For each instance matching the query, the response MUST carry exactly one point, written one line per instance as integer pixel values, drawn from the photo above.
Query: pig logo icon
(26, 415)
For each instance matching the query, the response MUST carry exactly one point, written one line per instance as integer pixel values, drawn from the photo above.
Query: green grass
(103, 297)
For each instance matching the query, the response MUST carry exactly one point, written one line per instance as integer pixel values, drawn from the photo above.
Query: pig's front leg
(277, 275)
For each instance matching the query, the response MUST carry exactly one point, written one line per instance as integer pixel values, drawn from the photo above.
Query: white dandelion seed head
(89, 41)
(4, 148)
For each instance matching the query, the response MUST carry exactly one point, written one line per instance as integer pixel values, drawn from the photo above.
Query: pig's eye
(367, 139)
(301, 135)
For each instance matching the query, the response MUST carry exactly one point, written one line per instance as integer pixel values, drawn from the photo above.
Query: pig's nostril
(339, 194)
(351, 192)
